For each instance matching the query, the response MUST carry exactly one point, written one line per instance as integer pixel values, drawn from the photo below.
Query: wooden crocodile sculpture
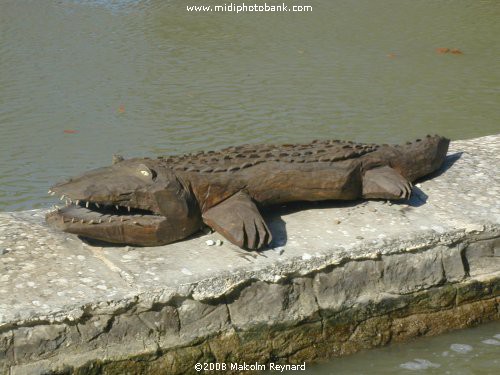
(157, 201)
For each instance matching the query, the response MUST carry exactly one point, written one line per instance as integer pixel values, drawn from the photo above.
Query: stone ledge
(340, 277)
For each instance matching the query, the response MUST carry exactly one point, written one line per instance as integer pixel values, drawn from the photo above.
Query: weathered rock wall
(339, 310)
(418, 269)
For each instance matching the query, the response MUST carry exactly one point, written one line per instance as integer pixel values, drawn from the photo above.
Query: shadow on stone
(448, 163)
(418, 197)
(99, 243)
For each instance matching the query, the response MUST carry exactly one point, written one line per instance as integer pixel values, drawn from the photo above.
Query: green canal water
(82, 80)
(474, 351)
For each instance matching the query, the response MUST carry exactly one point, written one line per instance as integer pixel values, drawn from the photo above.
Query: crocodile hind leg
(238, 219)
(385, 183)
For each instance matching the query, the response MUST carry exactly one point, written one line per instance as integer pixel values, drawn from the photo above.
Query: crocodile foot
(238, 219)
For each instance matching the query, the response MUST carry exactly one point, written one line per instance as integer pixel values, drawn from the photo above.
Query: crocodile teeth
(91, 222)
(62, 197)
(97, 205)
(99, 221)
(110, 220)
(117, 207)
(122, 219)
(73, 220)
(77, 202)
(128, 208)
(87, 205)
(82, 221)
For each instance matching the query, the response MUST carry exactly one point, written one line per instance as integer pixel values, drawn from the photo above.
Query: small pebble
(218, 243)
(337, 221)
(210, 242)
(360, 237)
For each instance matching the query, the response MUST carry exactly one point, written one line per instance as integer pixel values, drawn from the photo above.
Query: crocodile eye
(146, 171)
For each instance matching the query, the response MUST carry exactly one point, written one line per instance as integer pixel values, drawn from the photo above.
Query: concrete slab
(448, 231)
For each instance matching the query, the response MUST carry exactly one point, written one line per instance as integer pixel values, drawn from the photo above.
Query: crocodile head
(135, 201)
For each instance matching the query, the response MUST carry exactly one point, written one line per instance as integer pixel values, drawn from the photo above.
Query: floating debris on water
(453, 51)
(461, 348)
(491, 342)
(442, 50)
(419, 364)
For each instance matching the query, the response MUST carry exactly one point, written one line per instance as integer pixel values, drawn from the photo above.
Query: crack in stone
(106, 329)
(97, 252)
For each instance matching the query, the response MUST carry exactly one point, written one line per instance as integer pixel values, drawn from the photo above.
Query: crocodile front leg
(238, 219)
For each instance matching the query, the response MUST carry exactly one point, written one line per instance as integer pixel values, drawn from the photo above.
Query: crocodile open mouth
(94, 213)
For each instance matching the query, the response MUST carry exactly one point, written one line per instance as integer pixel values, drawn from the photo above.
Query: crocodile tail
(421, 157)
